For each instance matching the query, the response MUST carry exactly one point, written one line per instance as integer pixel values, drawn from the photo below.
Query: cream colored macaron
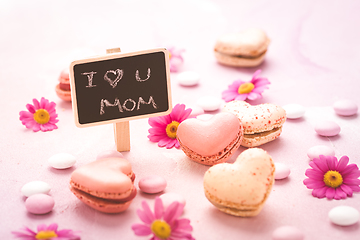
(242, 49)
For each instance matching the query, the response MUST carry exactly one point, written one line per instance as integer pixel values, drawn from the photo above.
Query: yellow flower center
(161, 229)
(246, 88)
(171, 129)
(333, 179)
(46, 235)
(41, 116)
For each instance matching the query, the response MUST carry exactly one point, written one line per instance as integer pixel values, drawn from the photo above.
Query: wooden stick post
(121, 129)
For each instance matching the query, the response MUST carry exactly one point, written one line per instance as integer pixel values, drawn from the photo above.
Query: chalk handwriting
(118, 73)
(90, 76)
(105, 103)
(137, 76)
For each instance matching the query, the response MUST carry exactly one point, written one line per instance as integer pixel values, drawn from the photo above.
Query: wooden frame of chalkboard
(119, 87)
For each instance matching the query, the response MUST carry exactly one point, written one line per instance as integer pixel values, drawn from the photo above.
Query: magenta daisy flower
(332, 178)
(176, 59)
(40, 116)
(163, 224)
(163, 129)
(50, 232)
(241, 90)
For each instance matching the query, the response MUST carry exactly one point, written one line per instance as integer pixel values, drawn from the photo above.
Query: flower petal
(173, 211)
(159, 208)
(320, 192)
(349, 168)
(36, 104)
(330, 193)
(314, 174)
(163, 142)
(339, 194)
(31, 108)
(171, 143)
(254, 95)
(321, 163)
(141, 229)
(331, 162)
(351, 181)
(344, 160)
(314, 184)
(346, 189)
(241, 97)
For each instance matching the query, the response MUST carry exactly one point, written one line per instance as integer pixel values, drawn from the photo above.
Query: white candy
(62, 160)
(316, 151)
(294, 111)
(188, 78)
(195, 110)
(35, 187)
(344, 215)
(209, 103)
(281, 171)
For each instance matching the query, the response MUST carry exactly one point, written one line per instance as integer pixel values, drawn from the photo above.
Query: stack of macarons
(106, 185)
(215, 140)
(63, 88)
(242, 49)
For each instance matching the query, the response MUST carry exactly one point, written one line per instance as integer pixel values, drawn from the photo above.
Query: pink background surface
(313, 60)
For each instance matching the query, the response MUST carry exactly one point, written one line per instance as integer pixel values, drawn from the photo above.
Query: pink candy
(152, 184)
(39, 203)
(327, 128)
(345, 107)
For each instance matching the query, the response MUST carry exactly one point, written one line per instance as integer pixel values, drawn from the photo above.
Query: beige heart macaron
(242, 49)
(241, 188)
(262, 123)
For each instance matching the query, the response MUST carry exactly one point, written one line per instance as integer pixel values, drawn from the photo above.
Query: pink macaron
(210, 141)
(106, 185)
(63, 88)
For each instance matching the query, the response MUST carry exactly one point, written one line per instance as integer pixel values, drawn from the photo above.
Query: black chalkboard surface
(120, 87)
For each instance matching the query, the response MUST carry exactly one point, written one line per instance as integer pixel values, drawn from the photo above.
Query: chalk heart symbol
(243, 185)
(118, 76)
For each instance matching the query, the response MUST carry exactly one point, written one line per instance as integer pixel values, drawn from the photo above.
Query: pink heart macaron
(241, 188)
(212, 141)
(105, 185)
(262, 123)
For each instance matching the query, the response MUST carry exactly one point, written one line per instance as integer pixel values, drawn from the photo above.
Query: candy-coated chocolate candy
(345, 107)
(188, 78)
(62, 160)
(294, 111)
(316, 151)
(281, 171)
(209, 103)
(327, 128)
(344, 215)
(152, 184)
(35, 187)
(39, 203)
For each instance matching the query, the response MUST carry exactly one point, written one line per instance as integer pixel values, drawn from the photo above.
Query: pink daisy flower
(40, 116)
(163, 129)
(50, 232)
(241, 90)
(163, 224)
(332, 178)
(176, 59)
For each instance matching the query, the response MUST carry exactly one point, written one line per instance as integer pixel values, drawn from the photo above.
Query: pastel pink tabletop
(313, 60)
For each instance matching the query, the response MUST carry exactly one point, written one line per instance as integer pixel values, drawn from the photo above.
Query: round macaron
(63, 88)
(242, 49)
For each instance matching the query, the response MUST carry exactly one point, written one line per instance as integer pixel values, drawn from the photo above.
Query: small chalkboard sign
(120, 87)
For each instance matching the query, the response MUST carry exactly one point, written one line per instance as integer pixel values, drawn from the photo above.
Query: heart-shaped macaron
(262, 123)
(241, 188)
(212, 141)
(105, 184)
